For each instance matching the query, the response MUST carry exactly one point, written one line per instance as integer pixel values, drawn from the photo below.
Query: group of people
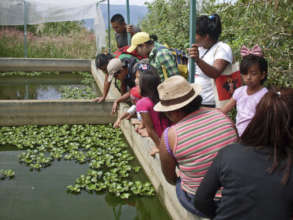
(226, 170)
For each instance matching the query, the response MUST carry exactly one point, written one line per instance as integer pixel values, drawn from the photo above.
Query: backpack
(123, 50)
(181, 61)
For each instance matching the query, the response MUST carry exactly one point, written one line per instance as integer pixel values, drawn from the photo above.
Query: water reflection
(42, 195)
(41, 88)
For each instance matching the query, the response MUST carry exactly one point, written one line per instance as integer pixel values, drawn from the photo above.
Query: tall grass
(75, 44)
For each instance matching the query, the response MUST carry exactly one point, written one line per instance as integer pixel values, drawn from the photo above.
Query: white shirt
(218, 51)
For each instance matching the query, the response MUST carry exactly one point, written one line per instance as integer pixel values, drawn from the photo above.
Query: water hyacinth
(100, 146)
(8, 173)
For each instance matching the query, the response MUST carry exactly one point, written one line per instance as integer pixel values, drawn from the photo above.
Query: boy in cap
(159, 56)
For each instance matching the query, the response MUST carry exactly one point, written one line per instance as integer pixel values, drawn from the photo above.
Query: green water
(44, 87)
(42, 195)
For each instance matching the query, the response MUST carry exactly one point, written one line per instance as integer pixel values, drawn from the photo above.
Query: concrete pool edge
(44, 64)
(54, 112)
(142, 148)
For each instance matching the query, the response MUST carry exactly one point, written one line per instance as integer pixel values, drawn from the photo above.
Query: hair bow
(143, 66)
(256, 50)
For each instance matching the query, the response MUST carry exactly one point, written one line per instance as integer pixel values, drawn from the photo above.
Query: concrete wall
(36, 64)
(51, 112)
(54, 112)
(142, 148)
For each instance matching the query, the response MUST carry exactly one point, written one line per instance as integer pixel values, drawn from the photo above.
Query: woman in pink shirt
(154, 122)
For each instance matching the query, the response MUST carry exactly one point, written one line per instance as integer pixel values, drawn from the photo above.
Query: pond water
(42, 195)
(44, 87)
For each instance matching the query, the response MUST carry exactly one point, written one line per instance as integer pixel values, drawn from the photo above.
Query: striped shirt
(200, 135)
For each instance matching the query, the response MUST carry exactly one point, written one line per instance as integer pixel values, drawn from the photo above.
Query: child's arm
(148, 123)
(119, 119)
(106, 90)
(229, 106)
(122, 98)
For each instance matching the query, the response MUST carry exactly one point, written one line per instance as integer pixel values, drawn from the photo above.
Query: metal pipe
(128, 20)
(109, 28)
(25, 28)
(192, 31)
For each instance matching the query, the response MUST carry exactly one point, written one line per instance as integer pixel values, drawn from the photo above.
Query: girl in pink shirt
(253, 69)
(154, 122)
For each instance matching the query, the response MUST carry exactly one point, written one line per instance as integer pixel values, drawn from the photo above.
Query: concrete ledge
(142, 147)
(54, 112)
(44, 64)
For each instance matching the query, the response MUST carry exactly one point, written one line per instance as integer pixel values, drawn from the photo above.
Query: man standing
(159, 56)
(121, 30)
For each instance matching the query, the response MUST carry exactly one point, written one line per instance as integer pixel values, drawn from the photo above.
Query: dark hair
(210, 25)
(288, 95)
(150, 42)
(118, 18)
(103, 59)
(149, 80)
(249, 60)
(271, 127)
(192, 106)
(154, 37)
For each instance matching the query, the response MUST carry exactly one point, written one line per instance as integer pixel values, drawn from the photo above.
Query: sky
(131, 2)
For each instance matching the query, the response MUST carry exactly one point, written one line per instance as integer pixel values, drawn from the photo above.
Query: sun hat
(114, 66)
(137, 39)
(175, 93)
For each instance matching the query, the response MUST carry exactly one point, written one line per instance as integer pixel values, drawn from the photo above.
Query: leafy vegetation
(8, 173)
(167, 22)
(245, 22)
(50, 40)
(69, 92)
(99, 146)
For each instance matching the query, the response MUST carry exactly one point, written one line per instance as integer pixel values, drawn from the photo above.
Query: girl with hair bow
(253, 68)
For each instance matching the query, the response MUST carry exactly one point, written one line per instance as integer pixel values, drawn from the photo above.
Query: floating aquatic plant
(6, 173)
(101, 147)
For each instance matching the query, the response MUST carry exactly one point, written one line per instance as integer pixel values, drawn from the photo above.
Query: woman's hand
(193, 52)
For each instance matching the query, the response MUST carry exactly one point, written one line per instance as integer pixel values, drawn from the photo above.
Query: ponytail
(271, 127)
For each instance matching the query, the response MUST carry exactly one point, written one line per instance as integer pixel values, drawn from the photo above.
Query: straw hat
(175, 93)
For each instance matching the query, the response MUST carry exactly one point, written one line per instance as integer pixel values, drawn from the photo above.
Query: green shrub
(246, 22)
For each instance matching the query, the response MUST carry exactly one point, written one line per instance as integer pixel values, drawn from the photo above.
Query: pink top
(246, 105)
(145, 104)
